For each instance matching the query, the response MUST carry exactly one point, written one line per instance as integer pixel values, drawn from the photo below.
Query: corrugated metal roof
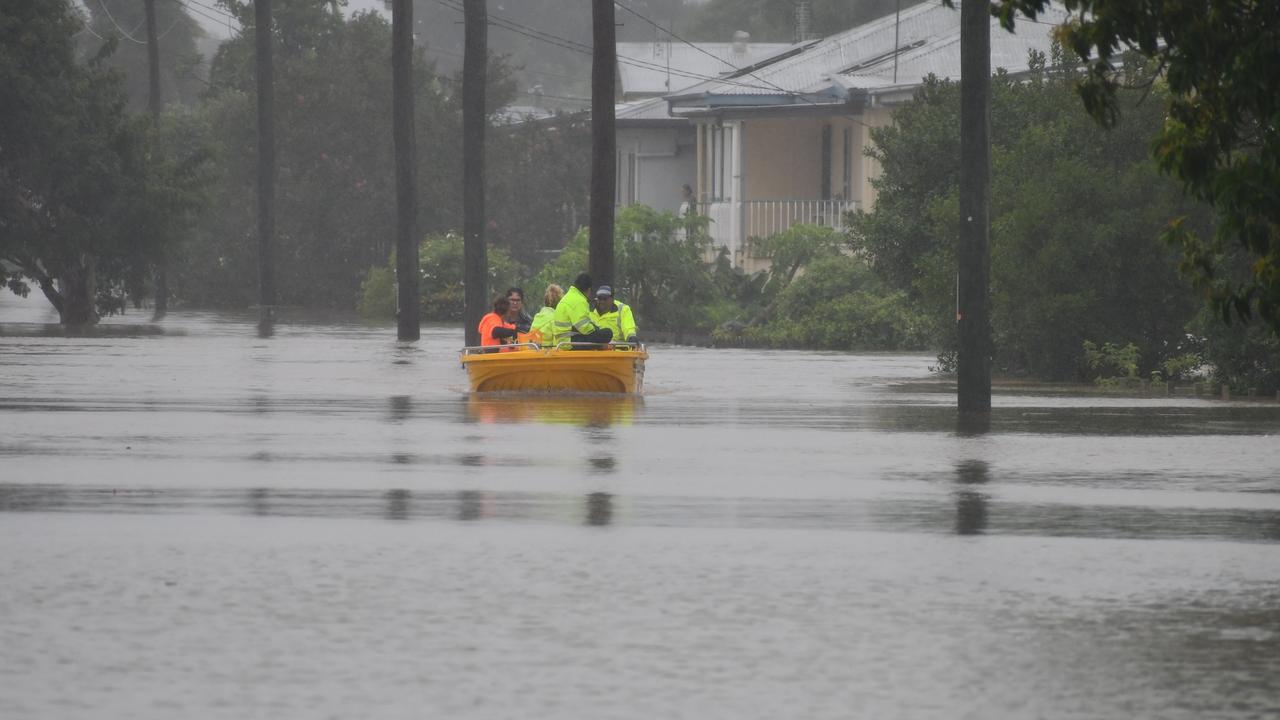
(660, 68)
(862, 57)
(651, 109)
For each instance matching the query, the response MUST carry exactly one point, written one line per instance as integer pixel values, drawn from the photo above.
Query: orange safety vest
(487, 324)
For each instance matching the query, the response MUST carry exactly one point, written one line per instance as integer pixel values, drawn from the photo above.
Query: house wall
(783, 158)
(872, 117)
(660, 160)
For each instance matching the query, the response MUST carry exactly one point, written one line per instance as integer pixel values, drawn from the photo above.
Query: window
(719, 158)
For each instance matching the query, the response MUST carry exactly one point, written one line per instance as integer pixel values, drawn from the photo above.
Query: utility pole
(408, 279)
(154, 101)
(475, 261)
(604, 159)
(263, 32)
(973, 367)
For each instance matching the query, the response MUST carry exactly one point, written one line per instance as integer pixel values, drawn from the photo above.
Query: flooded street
(205, 524)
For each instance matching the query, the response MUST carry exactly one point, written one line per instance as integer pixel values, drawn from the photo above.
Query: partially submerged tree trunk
(408, 292)
(603, 146)
(72, 292)
(475, 260)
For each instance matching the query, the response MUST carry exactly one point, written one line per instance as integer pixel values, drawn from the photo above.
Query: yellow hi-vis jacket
(544, 325)
(620, 320)
(573, 316)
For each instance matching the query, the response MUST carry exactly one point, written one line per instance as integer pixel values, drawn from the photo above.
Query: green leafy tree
(335, 190)
(662, 270)
(838, 304)
(1076, 217)
(440, 263)
(536, 184)
(795, 248)
(1221, 135)
(88, 194)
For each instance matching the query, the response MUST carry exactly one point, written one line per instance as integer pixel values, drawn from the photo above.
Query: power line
(576, 46)
(789, 93)
(192, 9)
(213, 9)
(119, 29)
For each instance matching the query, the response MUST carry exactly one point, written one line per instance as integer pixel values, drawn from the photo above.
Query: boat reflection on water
(585, 410)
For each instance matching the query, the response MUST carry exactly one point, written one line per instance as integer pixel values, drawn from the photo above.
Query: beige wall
(871, 117)
(783, 158)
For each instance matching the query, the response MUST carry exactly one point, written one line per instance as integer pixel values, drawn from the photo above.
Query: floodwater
(324, 524)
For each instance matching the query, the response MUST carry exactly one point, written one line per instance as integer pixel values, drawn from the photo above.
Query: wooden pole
(408, 279)
(603, 144)
(475, 259)
(154, 101)
(973, 372)
(266, 166)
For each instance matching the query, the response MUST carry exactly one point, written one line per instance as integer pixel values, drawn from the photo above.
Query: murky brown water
(203, 524)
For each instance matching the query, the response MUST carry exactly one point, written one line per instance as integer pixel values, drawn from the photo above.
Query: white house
(781, 141)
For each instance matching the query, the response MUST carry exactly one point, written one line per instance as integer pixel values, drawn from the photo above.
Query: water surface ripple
(199, 523)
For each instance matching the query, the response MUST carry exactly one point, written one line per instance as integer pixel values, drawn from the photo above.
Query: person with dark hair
(496, 328)
(573, 316)
(522, 319)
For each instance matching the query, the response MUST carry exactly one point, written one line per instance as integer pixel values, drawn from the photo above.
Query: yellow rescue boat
(613, 368)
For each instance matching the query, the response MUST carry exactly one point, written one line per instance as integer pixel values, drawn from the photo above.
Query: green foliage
(89, 195)
(440, 262)
(1242, 356)
(1219, 136)
(795, 248)
(335, 191)
(838, 304)
(662, 265)
(661, 269)
(377, 298)
(564, 268)
(1076, 216)
(1111, 362)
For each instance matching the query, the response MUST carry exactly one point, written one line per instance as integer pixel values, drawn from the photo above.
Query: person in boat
(516, 296)
(544, 323)
(498, 327)
(614, 315)
(573, 316)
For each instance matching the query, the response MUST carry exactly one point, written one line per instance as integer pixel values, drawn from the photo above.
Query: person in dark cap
(573, 316)
(613, 315)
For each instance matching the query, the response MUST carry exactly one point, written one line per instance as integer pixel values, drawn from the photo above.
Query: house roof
(650, 109)
(661, 68)
(862, 58)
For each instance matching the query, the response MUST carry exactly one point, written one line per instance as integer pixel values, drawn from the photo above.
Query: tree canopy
(88, 195)
(1220, 137)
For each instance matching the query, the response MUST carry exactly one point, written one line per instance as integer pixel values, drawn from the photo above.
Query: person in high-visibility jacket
(614, 315)
(542, 327)
(498, 327)
(573, 316)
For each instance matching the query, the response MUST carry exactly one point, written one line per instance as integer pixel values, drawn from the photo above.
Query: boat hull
(603, 371)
